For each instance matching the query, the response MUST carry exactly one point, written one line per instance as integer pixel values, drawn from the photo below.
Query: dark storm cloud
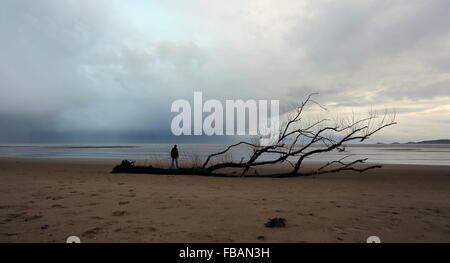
(64, 71)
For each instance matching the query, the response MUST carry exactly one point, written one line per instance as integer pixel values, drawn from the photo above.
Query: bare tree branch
(323, 134)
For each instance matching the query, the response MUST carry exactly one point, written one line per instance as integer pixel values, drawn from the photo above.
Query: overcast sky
(73, 71)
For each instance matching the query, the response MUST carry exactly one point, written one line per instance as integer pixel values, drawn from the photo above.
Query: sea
(419, 154)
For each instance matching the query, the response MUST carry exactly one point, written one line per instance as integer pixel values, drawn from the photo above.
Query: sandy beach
(47, 200)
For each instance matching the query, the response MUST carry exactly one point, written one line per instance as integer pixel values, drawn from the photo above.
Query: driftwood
(204, 172)
(129, 167)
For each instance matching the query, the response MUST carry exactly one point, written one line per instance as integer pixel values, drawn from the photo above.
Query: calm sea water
(389, 154)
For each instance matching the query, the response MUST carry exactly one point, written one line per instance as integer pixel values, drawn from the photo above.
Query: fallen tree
(297, 140)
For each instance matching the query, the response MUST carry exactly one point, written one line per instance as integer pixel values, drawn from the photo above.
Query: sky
(108, 70)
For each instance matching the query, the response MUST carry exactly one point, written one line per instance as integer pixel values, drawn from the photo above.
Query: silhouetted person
(174, 155)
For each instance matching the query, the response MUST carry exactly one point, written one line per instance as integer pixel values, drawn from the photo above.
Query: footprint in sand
(92, 233)
(39, 196)
(130, 195)
(32, 218)
(97, 218)
(202, 236)
(119, 213)
(145, 229)
(9, 234)
(437, 211)
(16, 215)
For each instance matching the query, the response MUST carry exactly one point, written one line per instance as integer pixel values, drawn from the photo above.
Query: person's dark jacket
(174, 152)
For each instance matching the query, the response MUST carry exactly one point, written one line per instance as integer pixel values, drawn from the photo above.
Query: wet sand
(47, 200)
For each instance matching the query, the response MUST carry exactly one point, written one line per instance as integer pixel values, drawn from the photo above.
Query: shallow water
(389, 154)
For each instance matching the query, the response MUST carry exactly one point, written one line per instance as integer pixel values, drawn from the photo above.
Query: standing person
(174, 155)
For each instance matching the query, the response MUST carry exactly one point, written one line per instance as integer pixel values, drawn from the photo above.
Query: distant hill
(445, 141)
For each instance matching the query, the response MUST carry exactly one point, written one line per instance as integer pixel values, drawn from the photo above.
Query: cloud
(114, 67)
